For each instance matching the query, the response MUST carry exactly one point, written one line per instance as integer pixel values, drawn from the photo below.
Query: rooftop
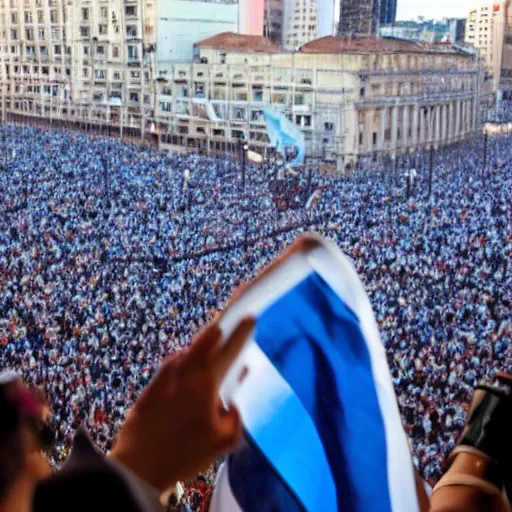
(373, 45)
(242, 43)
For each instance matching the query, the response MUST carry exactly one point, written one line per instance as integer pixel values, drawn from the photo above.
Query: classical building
(354, 99)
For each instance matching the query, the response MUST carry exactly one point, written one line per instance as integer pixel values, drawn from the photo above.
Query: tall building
(179, 27)
(80, 60)
(251, 16)
(505, 66)
(293, 23)
(456, 30)
(273, 28)
(359, 17)
(34, 54)
(387, 12)
(485, 31)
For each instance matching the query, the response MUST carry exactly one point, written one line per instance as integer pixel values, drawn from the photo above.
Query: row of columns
(436, 124)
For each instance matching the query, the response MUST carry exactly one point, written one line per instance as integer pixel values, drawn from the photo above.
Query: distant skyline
(435, 9)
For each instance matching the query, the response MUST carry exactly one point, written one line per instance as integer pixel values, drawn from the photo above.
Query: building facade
(293, 23)
(359, 18)
(456, 30)
(387, 14)
(81, 61)
(183, 23)
(505, 63)
(484, 32)
(355, 100)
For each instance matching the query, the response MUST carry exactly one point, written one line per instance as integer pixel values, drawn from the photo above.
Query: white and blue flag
(283, 134)
(322, 428)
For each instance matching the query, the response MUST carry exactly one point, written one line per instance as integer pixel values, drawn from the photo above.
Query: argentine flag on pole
(284, 134)
(322, 428)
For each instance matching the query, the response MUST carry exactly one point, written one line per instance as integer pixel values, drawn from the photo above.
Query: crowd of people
(112, 255)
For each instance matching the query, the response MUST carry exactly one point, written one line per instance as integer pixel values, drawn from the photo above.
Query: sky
(410, 9)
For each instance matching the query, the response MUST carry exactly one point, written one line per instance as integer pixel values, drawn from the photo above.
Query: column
(381, 142)
(415, 125)
(444, 123)
(405, 127)
(368, 130)
(437, 113)
(422, 127)
(457, 119)
(394, 129)
(467, 124)
(451, 121)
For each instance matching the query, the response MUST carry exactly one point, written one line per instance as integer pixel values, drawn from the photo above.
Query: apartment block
(79, 61)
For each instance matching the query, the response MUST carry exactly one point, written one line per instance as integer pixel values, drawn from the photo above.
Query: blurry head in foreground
(24, 437)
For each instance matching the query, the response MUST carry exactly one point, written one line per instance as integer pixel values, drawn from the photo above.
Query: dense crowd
(112, 255)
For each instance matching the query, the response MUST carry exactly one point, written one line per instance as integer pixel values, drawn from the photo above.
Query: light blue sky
(408, 9)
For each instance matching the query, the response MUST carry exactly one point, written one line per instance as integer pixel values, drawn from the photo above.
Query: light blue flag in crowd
(284, 134)
(322, 427)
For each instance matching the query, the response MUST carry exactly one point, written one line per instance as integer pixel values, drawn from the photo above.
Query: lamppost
(486, 141)
(244, 147)
(431, 161)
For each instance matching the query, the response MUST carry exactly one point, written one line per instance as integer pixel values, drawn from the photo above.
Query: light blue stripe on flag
(333, 423)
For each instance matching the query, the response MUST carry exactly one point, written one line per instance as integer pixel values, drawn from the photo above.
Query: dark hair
(11, 444)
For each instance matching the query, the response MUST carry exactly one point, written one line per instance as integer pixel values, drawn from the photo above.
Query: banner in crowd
(322, 427)
(284, 135)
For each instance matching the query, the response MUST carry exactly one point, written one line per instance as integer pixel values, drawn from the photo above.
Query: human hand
(179, 426)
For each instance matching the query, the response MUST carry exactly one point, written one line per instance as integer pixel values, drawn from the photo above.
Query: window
(328, 126)
(104, 12)
(115, 52)
(85, 13)
(28, 17)
(257, 94)
(131, 31)
(14, 17)
(100, 74)
(41, 33)
(103, 29)
(57, 49)
(86, 50)
(166, 106)
(40, 17)
(133, 53)
(134, 97)
(130, 10)
(84, 31)
(14, 34)
(117, 75)
(223, 58)
(85, 72)
(100, 50)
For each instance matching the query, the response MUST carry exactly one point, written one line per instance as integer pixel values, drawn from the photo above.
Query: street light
(244, 147)
(486, 140)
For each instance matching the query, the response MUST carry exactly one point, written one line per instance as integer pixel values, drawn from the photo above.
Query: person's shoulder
(90, 481)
